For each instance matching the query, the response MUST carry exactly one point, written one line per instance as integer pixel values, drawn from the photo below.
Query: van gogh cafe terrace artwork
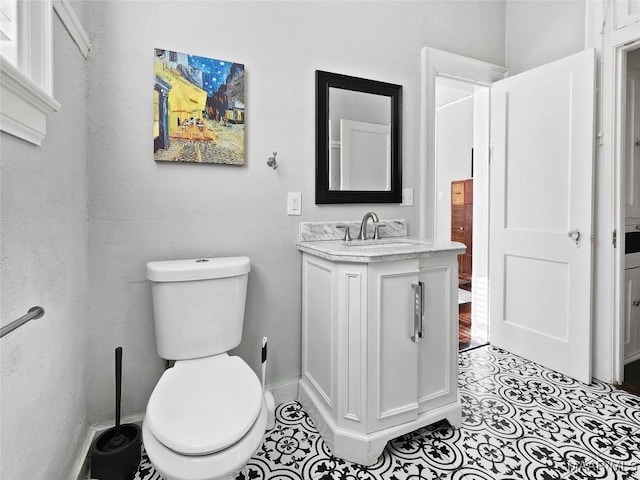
(199, 109)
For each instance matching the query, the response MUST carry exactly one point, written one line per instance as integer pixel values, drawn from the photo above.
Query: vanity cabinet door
(631, 331)
(392, 355)
(438, 347)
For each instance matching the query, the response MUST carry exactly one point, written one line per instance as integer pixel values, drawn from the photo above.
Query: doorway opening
(541, 202)
(461, 129)
(472, 78)
(630, 151)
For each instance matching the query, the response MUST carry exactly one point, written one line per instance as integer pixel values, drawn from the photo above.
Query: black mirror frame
(325, 80)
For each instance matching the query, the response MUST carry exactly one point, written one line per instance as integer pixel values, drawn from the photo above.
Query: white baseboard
(285, 391)
(136, 418)
(80, 470)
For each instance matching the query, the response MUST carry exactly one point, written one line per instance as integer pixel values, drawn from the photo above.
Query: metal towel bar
(33, 313)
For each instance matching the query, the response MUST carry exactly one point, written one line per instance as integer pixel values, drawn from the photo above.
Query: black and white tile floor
(520, 421)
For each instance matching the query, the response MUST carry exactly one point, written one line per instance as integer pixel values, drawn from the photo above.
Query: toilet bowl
(207, 414)
(205, 419)
(223, 465)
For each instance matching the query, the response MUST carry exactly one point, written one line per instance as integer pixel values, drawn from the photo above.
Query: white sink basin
(377, 245)
(382, 242)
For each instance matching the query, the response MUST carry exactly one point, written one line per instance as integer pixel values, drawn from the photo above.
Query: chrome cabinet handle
(636, 303)
(418, 310)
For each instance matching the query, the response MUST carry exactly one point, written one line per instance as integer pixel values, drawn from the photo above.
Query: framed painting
(199, 109)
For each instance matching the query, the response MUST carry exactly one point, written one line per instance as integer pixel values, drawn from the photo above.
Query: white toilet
(206, 416)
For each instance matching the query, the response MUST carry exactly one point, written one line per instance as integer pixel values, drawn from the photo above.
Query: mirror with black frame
(358, 139)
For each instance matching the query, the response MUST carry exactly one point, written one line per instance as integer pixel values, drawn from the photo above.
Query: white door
(541, 214)
(365, 156)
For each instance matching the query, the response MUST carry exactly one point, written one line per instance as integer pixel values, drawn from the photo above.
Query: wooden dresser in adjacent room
(462, 226)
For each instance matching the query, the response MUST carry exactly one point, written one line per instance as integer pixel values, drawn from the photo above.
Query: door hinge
(490, 153)
(615, 239)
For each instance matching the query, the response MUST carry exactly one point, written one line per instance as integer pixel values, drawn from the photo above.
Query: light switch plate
(407, 197)
(294, 203)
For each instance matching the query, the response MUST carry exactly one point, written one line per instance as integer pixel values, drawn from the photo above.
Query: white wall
(141, 211)
(454, 141)
(539, 32)
(44, 262)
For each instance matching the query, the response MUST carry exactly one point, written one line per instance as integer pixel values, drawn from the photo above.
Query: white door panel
(365, 156)
(541, 187)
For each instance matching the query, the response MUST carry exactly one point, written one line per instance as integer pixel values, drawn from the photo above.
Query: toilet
(206, 416)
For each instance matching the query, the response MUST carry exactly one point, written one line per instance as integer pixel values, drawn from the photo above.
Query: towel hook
(272, 161)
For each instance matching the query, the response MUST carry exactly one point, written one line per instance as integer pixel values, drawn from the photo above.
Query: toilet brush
(268, 396)
(115, 454)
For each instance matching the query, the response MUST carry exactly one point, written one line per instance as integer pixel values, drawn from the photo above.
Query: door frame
(436, 63)
(618, 70)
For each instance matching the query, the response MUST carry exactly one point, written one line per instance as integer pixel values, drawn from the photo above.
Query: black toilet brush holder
(115, 455)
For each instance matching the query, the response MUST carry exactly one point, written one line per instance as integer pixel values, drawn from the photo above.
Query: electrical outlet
(294, 203)
(407, 197)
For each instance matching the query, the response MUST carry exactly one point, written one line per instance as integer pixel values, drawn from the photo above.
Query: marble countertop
(385, 249)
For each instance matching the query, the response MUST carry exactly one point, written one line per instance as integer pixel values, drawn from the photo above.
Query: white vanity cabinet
(631, 331)
(367, 374)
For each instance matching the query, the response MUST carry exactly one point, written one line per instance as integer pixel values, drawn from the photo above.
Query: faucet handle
(376, 229)
(347, 233)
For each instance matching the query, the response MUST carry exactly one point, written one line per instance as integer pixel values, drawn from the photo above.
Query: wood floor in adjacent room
(632, 377)
(466, 339)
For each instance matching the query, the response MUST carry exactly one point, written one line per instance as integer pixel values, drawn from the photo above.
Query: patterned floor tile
(519, 421)
(546, 460)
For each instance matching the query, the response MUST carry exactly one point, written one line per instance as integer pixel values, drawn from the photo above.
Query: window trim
(24, 107)
(71, 22)
(26, 91)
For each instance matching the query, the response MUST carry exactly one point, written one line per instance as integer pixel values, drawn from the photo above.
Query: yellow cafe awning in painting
(186, 101)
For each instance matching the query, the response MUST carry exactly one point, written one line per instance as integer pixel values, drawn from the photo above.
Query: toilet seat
(222, 465)
(204, 405)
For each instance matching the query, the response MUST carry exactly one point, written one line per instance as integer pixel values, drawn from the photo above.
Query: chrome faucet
(363, 226)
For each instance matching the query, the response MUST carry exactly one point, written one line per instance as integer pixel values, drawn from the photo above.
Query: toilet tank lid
(197, 269)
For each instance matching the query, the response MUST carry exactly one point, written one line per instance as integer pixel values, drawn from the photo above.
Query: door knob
(575, 235)
(636, 303)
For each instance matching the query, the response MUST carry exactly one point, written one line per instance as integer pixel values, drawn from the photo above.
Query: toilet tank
(198, 305)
